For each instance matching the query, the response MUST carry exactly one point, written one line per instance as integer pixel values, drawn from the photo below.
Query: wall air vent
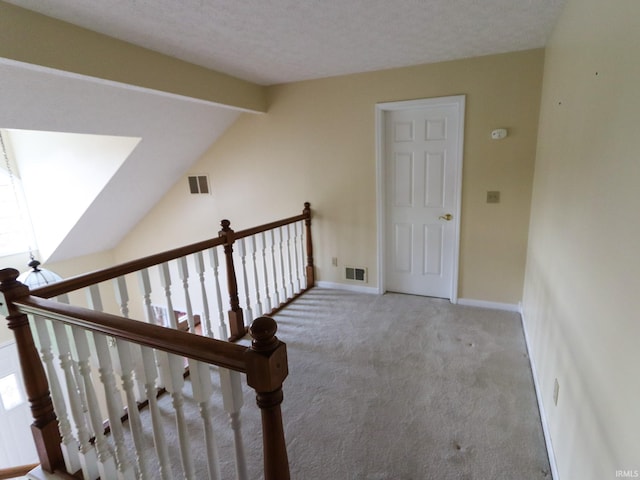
(199, 184)
(359, 274)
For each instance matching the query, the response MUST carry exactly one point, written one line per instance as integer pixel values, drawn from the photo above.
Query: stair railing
(277, 274)
(70, 407)
(264, 363)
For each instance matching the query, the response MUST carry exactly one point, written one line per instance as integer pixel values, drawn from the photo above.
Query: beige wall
(317, 143)
(582, 269)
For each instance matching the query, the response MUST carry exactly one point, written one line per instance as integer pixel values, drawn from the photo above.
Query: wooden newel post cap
(267, 358)
(10, 289)
(263, 331)
(226, 226)
(8, 275)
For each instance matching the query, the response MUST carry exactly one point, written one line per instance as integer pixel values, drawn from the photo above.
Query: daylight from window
(16, 235)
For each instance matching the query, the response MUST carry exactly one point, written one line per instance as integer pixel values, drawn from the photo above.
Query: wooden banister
(84, 280)
(14, 472)
(267, 369)
(45, 425)
(91, 278)
(265, 363)
(198, 347)
(268, 226)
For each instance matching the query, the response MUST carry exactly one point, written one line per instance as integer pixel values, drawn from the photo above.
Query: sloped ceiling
(174, 133)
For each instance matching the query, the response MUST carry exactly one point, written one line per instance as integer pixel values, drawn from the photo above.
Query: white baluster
(69, 445)
(256, 283)
(231, 386)
(106, 463)
(222, 326)
(64, 298)
(126, 361)
(165, 281)
(289, 248)
(267, 296)
(122, 297)
(145, 286)
(206, 317)
(112, 395)
(296, 270)
(87, 453)
(183, 273)
(242, 251)
(303, 259)
(114, 406)
(202, 391)
(276, 289)
(174, 386)
(281, 246)
(149, 379)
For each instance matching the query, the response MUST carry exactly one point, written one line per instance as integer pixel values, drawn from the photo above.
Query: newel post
(266, 370)
(307, 223)
(236, 317)
(45, 425)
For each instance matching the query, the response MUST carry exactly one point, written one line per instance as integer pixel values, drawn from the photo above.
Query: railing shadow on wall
(87, 327)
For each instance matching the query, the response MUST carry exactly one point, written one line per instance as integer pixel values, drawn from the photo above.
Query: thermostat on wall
(499, 133)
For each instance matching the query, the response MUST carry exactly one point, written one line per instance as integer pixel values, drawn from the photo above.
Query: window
(16, 233)
(15, 227)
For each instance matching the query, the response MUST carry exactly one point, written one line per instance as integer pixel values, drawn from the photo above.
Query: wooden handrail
(269, 226)
(198, 347)
(91, 278)
(14, 472)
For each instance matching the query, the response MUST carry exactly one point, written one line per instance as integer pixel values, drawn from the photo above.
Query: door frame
(380, 112)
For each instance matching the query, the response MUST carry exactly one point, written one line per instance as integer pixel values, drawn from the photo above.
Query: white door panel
(422, 163)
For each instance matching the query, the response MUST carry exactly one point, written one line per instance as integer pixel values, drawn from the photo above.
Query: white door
(422, 172)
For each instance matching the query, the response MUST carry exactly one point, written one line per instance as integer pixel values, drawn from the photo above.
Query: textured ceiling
(278, 41)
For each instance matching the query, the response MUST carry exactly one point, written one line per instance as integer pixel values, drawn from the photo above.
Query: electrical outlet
(334, 261)
(556, 391)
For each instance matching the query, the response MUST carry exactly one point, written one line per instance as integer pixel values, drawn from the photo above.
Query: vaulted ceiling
(264, 42)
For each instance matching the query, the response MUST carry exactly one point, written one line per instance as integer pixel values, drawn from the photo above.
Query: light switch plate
(493, 197)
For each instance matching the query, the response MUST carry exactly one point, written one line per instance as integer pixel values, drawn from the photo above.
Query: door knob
(448, 217)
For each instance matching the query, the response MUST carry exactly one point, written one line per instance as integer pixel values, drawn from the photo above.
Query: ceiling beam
(30, 37)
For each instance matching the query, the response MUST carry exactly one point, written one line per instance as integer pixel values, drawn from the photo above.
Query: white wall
(582, 275)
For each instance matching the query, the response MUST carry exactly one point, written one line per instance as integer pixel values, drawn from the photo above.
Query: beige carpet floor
(397, 387)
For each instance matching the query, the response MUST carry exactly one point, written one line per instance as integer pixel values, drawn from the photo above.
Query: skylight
(51, 180)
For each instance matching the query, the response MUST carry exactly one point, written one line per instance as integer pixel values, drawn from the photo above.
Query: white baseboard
(348, 287)
(543, 415)
(470, 302)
